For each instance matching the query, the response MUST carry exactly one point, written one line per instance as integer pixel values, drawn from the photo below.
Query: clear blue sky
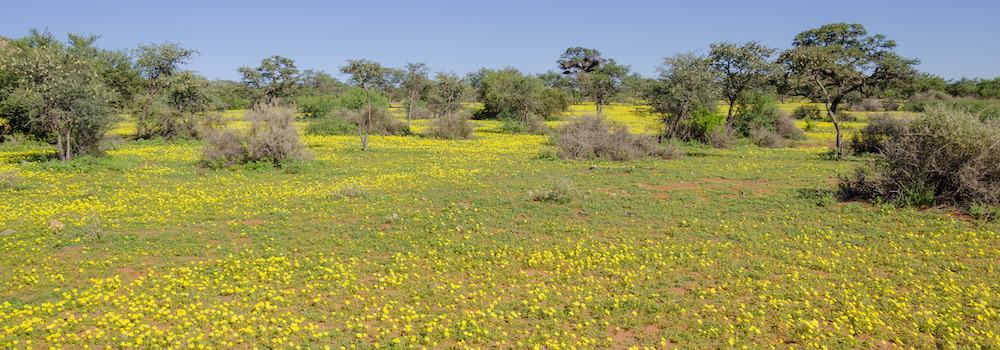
(952, 39)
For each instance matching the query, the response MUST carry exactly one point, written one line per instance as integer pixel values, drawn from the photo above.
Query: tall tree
(685, 85)
(157, 64)
(448, 92)
(741, 68)
(603, 84)
(837, 61)
(596, 77)
(580, 59)
(56, 92)
(415, 84)
(367, 75)
(276, 77)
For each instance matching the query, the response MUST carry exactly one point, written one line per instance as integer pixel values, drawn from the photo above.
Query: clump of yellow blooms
(445, 250)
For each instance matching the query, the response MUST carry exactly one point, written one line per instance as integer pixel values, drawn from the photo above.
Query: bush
(866, 105)
(755, 110)
(808, 112)
(512, 125)
(420, 111)
(552, 103)
(272, 135)
(874, 136)
(346, 121)
(698, 127)
(558, 192)
(316, 106)
(591, 137)
(922, 101)
(271, 138)
(451, 126)
(331, 124)
(945, 156)
(720, 137)
(223, 149)
(766, 138)
(178, 125)
(785, 127)
(382, 122)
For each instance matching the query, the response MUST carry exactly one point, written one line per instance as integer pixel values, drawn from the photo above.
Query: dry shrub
(420, 111)
(272, 137)
(866, 105)
(763, 137)
(591, 137)
(874, 136)
(223, 148)
(720, 137)
(785, 126)
(451, 126)
(945, 156)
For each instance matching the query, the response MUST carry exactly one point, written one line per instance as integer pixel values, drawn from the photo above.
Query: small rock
(7, 232)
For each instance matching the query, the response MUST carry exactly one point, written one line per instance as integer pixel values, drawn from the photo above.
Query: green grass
(440, 244)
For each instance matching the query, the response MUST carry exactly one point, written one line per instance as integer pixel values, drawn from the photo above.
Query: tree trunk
(729, 115)
(59, 147)
(367, 123)
(831, 110)
(409, 110)
(141, 124)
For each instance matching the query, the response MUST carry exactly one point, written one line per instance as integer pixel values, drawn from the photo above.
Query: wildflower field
(426, 243)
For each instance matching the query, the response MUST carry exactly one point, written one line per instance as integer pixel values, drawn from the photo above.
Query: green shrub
(808, 112)
(945, 156)
(512, 125)
(698, 127)
(316, 106)
(755, 110)
(559, 192)
(985, 109)
(331, 124)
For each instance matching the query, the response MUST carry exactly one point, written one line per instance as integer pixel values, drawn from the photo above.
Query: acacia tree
(157, 65)
(367, 75)
(56, 92)
(604, 83)
(275, 77)
(685, 85)
(448, 92)
(837, 61)
(596, 77)
(415, 84)
(741, 68)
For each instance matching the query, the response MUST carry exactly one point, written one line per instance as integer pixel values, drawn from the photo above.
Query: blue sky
(952, 39)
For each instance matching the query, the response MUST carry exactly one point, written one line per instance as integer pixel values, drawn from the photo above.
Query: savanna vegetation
(822, 195)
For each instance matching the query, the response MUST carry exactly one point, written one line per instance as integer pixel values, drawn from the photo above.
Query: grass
(446, 248)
